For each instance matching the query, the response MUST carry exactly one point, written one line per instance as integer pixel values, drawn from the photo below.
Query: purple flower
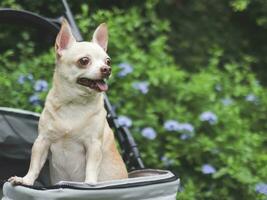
(34, 99)
(185, 127)
(209, 117)
(227, 101)
(208, 169)
(124, 121)
(21, 79)
(166, 161)
(141, 86)
(185, 136)
(41, 85)
(125, 69)
(171, 125)
(149, 133)
(187, 131)
(251, 98)
(261, 188)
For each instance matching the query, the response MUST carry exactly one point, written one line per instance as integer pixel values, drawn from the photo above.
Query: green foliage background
(194, 55)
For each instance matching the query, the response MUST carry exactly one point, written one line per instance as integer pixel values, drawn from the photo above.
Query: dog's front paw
(15, 180)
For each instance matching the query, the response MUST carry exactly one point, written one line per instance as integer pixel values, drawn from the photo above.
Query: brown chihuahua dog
(73, 124)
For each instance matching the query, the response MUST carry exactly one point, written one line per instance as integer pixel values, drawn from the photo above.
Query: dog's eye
(108, 61)
(84, 61)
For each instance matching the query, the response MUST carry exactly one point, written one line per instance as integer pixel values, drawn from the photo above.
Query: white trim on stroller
(20, 111)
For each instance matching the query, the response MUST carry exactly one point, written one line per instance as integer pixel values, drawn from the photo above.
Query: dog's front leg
(93, 160)
(38, 157)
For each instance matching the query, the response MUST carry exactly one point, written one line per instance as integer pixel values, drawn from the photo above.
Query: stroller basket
(143, 184)
(18, 130)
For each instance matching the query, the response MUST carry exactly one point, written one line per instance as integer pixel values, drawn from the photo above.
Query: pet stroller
(18, 130)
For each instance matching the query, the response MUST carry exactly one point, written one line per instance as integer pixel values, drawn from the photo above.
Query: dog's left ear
(101, 36)
(64, 38)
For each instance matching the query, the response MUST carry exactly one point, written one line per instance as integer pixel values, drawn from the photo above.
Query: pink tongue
(102, 86)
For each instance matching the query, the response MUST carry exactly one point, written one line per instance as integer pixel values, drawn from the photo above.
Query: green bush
(208, 126)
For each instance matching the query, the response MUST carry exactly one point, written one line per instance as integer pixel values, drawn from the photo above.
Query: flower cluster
(209, 117)
(38, 86)
(208, 169)
(227, 101)
(172, 125)
(125, 69)
(186, 129)
(22, 78)
(41, 85)
(185, 136)
(251, 98)
(261, 188)
(149, 133)
(34, 100)
(124, 121)
(142, 86)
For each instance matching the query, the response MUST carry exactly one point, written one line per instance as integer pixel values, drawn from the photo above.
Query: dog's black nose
(105, 70)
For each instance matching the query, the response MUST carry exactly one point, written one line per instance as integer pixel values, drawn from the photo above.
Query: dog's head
(84, 65)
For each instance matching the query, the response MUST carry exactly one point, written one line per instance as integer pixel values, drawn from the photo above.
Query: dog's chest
(73, 127)
(75, 121)
(67, 160)
(71, 119)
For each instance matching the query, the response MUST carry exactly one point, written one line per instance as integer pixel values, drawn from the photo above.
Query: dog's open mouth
(99, 85)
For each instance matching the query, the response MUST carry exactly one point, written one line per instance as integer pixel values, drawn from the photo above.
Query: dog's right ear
(64, 38)
(100, 36)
